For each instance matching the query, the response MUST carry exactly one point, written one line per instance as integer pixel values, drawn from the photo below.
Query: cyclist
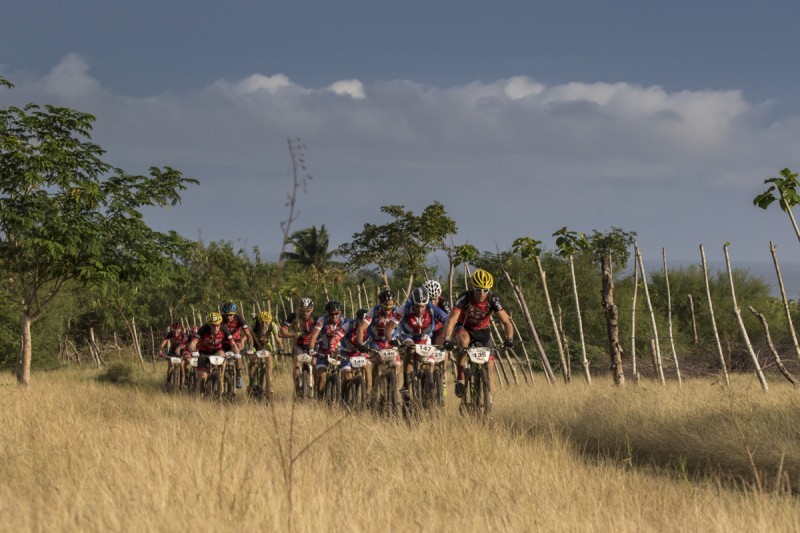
(345, 340)
(239, 331)
(176, 340)
(469, 322)
(264, 332)
(377, 330)
(209, 340)
(298, 326)
(326, 327)
(418, 319)
(437, 299)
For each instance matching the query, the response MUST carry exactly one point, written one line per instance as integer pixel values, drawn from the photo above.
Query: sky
(662, 118)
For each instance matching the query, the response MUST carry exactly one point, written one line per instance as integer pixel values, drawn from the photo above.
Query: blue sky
(662, 118)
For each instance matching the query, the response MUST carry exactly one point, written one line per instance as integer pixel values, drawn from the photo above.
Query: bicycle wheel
(357, 393)
(215, 386)
(333, 388)
(229, 385)
(391, 390)
(306, 384)
(169, 386)
(487, 393)
(266, 391)
(438, 387)
(426, 388)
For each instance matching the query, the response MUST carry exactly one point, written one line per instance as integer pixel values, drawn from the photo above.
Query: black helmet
(333, 306)
(386, 294)
(420, 296)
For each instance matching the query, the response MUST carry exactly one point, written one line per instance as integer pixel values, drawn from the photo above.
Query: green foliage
(310, 247)
(570, 243)
(786, 187)
(614, 244)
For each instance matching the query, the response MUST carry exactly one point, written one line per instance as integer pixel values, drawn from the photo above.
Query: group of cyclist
(425, 318)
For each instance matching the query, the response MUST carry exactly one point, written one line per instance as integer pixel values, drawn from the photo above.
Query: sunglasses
(387, 306)
(482, 291)
(420, 306)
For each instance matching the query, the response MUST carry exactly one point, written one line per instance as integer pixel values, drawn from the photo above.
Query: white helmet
(433, 287)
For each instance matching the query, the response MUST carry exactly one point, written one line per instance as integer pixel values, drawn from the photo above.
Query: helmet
(265, 316)
(420, 296)
(386, 295)
(481, 279)
(214, 319)
(360, 314)
(306, 302)
(433, 287)
(176, 327)
(228, 308)
(333, 306)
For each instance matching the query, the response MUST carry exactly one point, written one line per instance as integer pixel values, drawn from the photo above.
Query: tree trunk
(745, 336)
(553, 322)
(772, 349)
(653, 325)
(548, 371)
(669, 318)
(612, 323)
(713, 318)
(584, 360)
(785, 300)
(24, 363)
(695, 338)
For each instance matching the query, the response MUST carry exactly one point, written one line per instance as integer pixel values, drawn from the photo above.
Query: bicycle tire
(426, 388)
(306, 384)
(266, 391)
(356, 393)
(228, 385)
(487, 394)
(215, 386)
(438, 387)
(332, 388)
(391, 391)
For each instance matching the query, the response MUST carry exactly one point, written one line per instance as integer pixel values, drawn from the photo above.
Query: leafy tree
(66, 214)
(310, 247)
(788, 197)
(403, 243)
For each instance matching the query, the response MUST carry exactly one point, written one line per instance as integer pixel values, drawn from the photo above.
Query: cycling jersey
(262, 334)
(305, 327)
(326, 330)
(377, 322)
(476, 315)
(209, 342)
(235, 326)
(418, 328)
(176, 338)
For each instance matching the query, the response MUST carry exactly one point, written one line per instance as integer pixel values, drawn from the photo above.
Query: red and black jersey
(476, 315)
(176, 338)
(210, 342)
(306, 328)
(235, 326)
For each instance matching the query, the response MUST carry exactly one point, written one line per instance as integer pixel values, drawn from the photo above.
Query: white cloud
(351, 88)
(680, 167)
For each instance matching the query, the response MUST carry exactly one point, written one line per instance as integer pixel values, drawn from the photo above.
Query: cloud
(506, 157)
(351, 88)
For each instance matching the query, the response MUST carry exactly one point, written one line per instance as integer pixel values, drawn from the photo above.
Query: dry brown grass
(82, 455)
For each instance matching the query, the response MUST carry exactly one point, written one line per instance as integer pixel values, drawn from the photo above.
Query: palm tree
(310, 247)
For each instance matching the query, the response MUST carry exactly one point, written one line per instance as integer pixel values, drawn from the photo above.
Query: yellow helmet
(214, 319)
(482, 279)
(265, 316)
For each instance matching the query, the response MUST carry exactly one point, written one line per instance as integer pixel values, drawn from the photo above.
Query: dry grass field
(81, 455)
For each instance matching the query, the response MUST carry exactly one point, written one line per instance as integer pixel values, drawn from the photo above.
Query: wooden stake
(633, 320)
(785, 300)
(738, 312)
(695, 338)
(713, 319)
(669, 318)
(553, 323)
(775, 355)
(653, 326)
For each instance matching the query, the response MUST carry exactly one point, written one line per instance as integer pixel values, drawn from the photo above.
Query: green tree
(310, 247)
(404, 243)
(788, 197)
(66, 214)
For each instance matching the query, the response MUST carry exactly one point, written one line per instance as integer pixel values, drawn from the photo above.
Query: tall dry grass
(78, 454)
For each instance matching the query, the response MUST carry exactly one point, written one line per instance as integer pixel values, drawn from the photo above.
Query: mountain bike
(422, 389)
(229, 377)
(191, 375)
(388, 360)
(261, 388)
(213, 385)
(477, 397)
(305, 385)
(332, 394)
(174, 374)
(355, 389)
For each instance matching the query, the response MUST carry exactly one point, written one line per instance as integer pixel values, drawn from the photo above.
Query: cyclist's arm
(452, 320)
(507, 325)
